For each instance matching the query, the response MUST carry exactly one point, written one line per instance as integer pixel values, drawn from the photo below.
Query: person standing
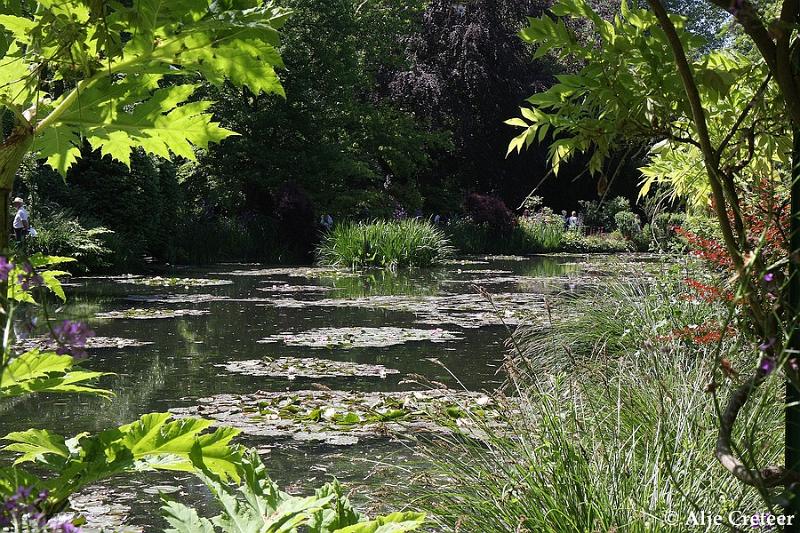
(22, 224)
(572, 221)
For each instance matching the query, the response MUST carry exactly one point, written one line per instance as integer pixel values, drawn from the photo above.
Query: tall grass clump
(384, 244)
(616, 317)
(620, 442)
(619, 452)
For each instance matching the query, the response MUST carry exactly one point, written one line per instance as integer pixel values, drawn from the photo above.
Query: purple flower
(767, 345)
(5, 268)
(767, 365)
(29, 278)
(769, 277)
(63, 527)
(71, 337)
(21, 509)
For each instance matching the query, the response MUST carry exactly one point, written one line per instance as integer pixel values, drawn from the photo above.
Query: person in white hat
(22, 223)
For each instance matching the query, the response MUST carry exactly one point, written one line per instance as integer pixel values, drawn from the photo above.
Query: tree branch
(746, 14)
(704, 138)
(784, 71)
(770, 476)
(743, 116)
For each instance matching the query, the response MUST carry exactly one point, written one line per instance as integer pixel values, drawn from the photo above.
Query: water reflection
(184, 361)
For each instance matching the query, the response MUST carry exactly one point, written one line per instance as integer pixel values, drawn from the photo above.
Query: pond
(208, 335)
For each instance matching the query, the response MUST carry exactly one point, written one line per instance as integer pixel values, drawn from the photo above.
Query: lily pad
(518, 258)
(150, 314)
(312, 272)
(464, 262)
(158, 281)
(287, 288)
(177, 298)
(190, 299)
(308, 368)
(467, 311)
(484, 272)
(341, 417)
(360, 337)
(104, 510)
(92, 343)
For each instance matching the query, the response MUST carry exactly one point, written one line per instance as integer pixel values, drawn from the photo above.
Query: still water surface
(182, 362)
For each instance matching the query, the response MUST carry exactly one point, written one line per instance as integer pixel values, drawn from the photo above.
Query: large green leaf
(159, 124)
(259, 506)
(393, 523)
(337, 514)
(37, 371)
(36, 443)
(154, 442)
(157, 442)
(184, 519)
(11, 478)
(119, 104)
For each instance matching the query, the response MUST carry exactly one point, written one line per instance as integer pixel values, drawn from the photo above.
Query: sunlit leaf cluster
(120, 75)
(627, 92)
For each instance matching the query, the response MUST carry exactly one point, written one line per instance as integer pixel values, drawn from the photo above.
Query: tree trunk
(792, 393)
(12, 151)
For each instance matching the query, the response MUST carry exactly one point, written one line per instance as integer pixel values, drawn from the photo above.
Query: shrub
(663, 231)
(60, 233)
(491, 211)
(629, 227)
(627, 224)
(574, 241)
(542, 233)
(600, 213)
(384, 244)
(535, 234)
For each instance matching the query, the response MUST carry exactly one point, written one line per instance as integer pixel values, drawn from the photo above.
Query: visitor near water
(21, 222)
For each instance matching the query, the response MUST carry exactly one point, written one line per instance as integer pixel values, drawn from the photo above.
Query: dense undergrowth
(609, 423)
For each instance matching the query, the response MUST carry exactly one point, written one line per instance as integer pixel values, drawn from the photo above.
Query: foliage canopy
(122, 75)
